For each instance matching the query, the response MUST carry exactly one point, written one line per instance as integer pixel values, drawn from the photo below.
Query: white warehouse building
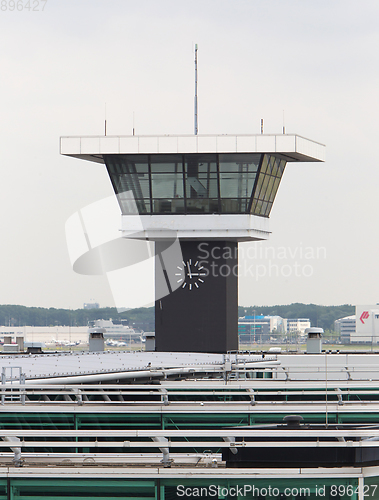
(367, 324)
(292, 325)
(346, 328)
(363, 327)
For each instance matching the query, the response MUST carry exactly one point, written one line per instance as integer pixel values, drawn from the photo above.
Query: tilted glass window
(130, 173)
(270, 174)
(196, 183)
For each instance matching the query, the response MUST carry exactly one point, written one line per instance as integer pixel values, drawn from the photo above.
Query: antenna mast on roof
(196, 89)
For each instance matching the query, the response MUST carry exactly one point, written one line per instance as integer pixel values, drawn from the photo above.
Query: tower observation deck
(208, 191)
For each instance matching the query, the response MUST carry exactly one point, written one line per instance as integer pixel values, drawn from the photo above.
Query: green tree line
(14, 315)
(320, 316)
(143, 318)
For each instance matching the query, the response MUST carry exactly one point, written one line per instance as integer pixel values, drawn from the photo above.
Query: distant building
(276, 324)
(253, 329)
(297, 325)
(116, 329)
(91, 305)
(49, 334)
(346, 328)
(257, 329)
(363, 327)
(367, 324)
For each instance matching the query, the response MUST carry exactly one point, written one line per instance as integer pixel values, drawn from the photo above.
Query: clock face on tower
(190, 274)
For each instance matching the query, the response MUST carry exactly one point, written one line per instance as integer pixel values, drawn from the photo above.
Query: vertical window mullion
(208, 178)
(255, 184)
(112, 176)
(218, 183)
(184, 183)
(150, 183)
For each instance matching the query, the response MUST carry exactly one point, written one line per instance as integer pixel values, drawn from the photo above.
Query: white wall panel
(70, 145)
(300, 148)
(241, 227)
(226, 143)
(129, 145)
(168, 144)
(148, 144)
(187, 144)
(246, 144)
(109, 145)
(310, 148)
(90, 145)
(266, 143)
(206, 144)
(285, 143)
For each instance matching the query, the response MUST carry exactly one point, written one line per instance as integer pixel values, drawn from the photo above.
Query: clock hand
(189, 270)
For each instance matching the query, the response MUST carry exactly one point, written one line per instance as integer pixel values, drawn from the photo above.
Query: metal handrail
(191, 433)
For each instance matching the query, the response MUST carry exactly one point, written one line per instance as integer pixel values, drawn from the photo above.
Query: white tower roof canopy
(292, 148)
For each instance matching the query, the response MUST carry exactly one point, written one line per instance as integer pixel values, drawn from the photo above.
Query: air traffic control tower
(211, 192)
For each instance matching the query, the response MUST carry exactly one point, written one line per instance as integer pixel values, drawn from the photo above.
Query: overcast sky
(316, 61)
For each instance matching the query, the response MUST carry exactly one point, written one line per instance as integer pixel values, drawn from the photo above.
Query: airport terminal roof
(77, 367)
